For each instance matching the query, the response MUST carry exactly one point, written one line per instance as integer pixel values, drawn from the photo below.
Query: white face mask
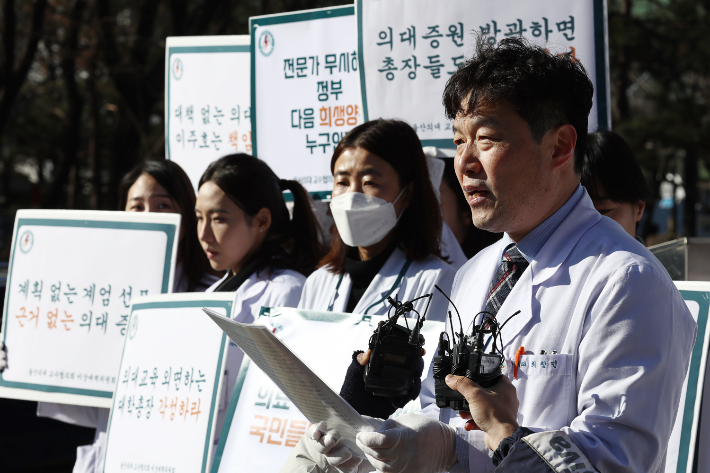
(361, 219)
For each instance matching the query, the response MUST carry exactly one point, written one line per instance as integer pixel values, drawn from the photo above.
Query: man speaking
(604, 336)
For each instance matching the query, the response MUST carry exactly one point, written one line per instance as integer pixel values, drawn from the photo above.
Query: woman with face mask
(385, 241)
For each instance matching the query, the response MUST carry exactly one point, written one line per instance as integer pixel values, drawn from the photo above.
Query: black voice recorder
(468, 358)
(395, 351)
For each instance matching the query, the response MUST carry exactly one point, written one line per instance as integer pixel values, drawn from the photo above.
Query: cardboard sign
(408, 49)
(262, 424)
(684, 440)
(71, 280)
(305, 91)
(207, 100)
(165, 408)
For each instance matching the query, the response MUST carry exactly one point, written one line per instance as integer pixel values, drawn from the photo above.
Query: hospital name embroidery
(543, 364)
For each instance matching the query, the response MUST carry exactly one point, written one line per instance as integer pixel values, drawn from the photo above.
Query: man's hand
(410, 443)
(494, 410)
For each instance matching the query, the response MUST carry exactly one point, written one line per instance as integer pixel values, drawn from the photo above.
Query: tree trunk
(15, 75)
(96, 196)
(72, 135)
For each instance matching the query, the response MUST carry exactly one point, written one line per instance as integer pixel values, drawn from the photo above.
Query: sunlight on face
(226, 233)
(501, 171)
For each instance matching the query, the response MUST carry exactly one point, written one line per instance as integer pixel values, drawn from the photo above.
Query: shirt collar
(532, 243)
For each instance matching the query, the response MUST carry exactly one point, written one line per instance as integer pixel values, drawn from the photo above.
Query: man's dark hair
(545, 89)
(610, 171)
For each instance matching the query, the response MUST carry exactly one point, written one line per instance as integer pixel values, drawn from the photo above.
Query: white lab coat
(327, 291)
(450, 247)
(622, 335)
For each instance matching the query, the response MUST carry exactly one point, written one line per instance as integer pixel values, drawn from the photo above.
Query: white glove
(410, 443)
(325, 442)
(3, 357)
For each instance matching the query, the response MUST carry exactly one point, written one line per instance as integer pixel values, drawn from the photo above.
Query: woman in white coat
(151, 186)
(385, 241)
(245, 229)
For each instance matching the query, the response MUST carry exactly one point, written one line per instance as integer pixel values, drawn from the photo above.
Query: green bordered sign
(71, 280)
(305, 92)
(409, 48)
(166, 403)
(262, 424)
(683, 447)
(207, 100)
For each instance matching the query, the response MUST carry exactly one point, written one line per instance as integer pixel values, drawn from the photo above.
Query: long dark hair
(252, 185)
(419, 228)
(171, 176)
(609, 162)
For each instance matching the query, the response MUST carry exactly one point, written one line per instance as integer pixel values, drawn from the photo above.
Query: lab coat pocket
(544, 385)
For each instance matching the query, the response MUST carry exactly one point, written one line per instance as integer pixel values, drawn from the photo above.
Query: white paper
(207, 100)
(406, 63)
(265, 425)
(313, 397)
(71, 281)
(165, 406)
(307, 91)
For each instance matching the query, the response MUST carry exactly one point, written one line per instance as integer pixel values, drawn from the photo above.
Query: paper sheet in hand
(313, 397)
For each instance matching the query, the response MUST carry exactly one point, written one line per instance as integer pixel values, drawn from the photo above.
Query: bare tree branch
(178, 9)
(72, 135)
(9, 40)
(129, 84)
(16, 76)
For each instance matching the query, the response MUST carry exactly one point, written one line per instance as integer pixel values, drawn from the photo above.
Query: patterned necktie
(508, 273)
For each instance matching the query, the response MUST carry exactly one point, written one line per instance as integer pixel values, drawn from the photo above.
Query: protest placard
(408, 49)
(207, 100)
(703, 437)
(262, 424)
(682, 446)
(165, 406)
(71, 279)
(305, 91)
